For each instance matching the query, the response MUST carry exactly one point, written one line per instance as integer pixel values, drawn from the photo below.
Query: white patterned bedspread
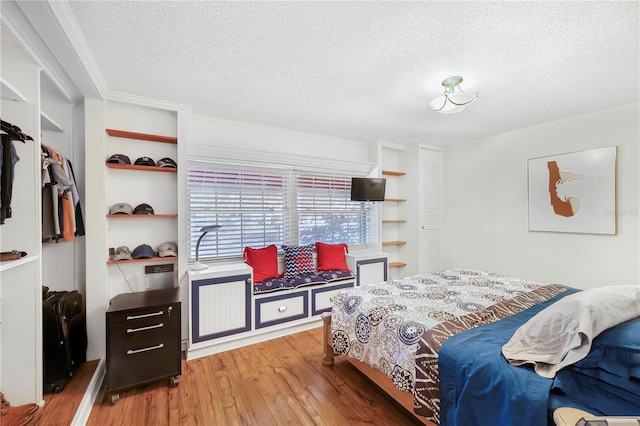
(380, 324)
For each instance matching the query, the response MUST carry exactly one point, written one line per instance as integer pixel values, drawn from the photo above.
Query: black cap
(145, 161)
(167, 162)
(119, 159)
(143, 209)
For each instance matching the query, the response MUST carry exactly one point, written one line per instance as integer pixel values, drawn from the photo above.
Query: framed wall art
(574, 192)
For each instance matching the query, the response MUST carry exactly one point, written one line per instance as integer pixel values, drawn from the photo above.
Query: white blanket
(562, 333)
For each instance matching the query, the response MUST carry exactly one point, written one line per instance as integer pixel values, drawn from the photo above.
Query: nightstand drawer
(142, 362)
(138, 318)
(157, 330)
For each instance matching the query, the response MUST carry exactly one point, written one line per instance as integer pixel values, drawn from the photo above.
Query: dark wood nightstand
(143, 340)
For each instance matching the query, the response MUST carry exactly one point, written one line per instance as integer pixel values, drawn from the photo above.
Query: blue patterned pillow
(298, 260)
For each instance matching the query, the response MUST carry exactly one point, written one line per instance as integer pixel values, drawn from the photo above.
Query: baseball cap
(143, 209)
(121, 208)
(167, 162)
(143, 251)
(121, 253)
(145, 161)
(119, 159)
(168, 249)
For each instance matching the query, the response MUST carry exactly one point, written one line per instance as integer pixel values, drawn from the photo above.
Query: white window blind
(258, 206)
(325, 212)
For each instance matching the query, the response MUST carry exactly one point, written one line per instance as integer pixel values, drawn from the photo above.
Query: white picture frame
(573, 192)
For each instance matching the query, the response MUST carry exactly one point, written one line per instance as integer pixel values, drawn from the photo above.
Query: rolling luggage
(64, 337)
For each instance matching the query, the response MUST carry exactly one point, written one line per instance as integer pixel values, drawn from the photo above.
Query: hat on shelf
(168, 249)
(143, 209)
(121, 208)
(119, 159)
(167, 162)
(143, 251)
(121, 253)
(145, 161)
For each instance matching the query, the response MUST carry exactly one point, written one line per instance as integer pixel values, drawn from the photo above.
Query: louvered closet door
(431, 210)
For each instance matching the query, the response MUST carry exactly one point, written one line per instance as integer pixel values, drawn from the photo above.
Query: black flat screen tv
(367, 189)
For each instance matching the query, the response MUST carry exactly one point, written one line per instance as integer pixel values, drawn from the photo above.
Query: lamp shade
(454, 99)
(197, 265)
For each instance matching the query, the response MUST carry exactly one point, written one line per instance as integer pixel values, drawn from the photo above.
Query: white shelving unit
(21, 280)
(393, 208)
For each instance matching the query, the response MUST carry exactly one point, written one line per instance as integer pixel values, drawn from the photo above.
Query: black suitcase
(64, 337)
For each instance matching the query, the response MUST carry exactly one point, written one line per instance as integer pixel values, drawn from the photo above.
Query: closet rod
(14, 132)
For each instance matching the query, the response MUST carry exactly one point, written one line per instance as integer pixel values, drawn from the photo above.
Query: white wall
(208, 136)
(486, 205)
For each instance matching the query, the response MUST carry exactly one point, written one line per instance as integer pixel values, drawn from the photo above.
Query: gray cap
(121, 208)
(168, 249)
(121, 253)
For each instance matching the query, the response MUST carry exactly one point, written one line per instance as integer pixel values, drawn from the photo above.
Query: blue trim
(195, 312)
(304, 314)
(368, 261)
(317, 291)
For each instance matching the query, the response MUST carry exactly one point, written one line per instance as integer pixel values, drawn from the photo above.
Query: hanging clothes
(61, 210)
(8, 159)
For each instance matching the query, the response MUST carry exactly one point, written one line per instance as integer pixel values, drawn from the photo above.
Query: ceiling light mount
(453, 99)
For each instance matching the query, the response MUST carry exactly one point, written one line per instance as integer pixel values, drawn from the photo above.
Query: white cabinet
(369, 267)
(225, 314)
(220, 305)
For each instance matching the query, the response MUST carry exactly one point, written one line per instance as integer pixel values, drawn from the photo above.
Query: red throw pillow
(264, 262)
(332, 257)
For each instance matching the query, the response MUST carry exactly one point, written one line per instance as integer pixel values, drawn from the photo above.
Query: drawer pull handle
(282, 308)
(133, 330)
(150, 348)
(154, 314)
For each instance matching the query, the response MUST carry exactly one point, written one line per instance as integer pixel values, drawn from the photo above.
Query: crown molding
(146, 101)
(68, 24)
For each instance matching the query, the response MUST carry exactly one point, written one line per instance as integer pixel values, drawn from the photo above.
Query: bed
(435, 343)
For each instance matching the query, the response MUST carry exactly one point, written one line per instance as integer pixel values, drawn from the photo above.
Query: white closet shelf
(10, 93)
(10, 264)
(49, 123)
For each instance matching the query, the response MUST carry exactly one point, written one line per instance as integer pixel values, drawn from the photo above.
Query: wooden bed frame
(405, 399)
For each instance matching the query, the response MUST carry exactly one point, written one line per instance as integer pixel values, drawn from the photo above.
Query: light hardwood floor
(279, 382)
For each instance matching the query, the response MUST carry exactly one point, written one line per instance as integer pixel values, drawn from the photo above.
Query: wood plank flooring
(279, 382)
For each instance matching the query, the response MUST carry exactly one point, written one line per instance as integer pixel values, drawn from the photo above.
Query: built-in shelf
(141, 136)
(48, 123)
(392, 173)
(394, 220)
(10, 264)
(139, 216)
(10, 93)
(394, 243)
(397, 200)
(397, 264)
(145, 168)
(152, 259)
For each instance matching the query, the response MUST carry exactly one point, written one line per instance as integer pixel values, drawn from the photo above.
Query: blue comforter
(478, 386)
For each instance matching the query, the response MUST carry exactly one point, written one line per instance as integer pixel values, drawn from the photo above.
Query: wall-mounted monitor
(367, 189)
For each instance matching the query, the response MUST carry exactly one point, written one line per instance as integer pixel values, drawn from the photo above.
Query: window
(258, 206)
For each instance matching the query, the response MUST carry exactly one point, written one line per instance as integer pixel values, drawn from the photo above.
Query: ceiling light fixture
(454, 99)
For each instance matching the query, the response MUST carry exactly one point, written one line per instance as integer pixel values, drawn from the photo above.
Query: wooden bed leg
(327, 353)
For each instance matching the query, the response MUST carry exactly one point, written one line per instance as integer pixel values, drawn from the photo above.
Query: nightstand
(143, 340)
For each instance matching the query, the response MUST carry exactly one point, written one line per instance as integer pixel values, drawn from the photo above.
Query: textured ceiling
(367, 70)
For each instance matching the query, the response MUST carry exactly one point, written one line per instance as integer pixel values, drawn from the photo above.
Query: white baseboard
(249, 338)
(90, 395)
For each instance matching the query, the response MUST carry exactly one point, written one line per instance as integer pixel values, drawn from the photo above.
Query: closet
(34, 101)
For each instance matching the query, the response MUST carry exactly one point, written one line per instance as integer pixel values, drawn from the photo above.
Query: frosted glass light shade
(454, 99)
